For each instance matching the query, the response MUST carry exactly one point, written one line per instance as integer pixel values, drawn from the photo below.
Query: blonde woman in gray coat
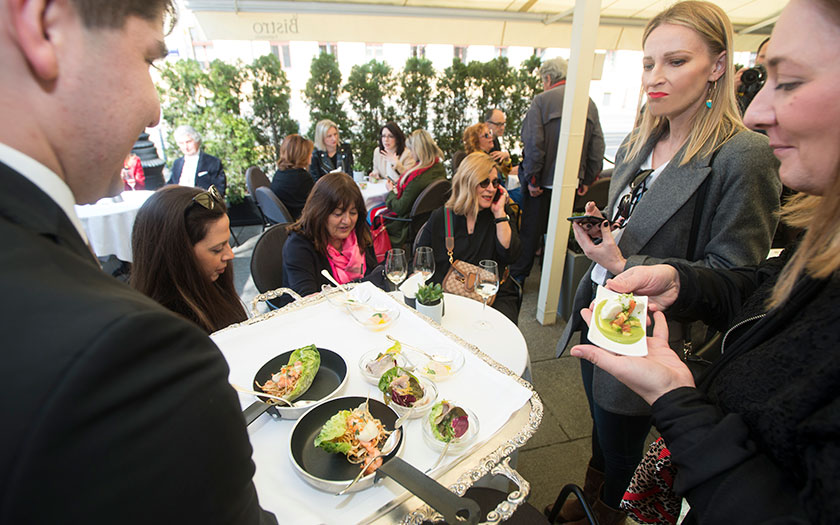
(690, 165)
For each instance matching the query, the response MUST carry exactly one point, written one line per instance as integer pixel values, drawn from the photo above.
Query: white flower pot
(435, 311)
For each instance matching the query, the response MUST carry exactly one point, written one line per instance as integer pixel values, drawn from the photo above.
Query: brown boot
(572, 509)
(605, 515)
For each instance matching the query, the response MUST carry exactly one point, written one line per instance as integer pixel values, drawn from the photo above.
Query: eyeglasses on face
(486, 182)
(208, 199)
(497, 123)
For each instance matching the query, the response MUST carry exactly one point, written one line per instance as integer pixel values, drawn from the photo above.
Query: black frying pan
(330, 379)
(332, 472)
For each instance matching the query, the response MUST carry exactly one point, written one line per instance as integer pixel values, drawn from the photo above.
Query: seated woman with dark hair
(181, 255)
(391, 159)
(292, 182)
(331, 234)
(481, 227)
(478, 137)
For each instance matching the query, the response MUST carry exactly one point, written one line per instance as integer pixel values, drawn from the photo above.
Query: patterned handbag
(461, 277)
(650, 498)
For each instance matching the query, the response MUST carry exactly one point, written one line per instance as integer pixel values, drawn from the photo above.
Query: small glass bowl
(336, 299)
(422, 405)
(436, 370)
(458, 444)
(373, 317)
(367, 357)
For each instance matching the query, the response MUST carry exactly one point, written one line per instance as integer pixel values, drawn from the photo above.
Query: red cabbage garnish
(460, 426)
(407, 400)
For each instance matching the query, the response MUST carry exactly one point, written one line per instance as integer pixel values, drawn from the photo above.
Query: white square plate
(638, 348)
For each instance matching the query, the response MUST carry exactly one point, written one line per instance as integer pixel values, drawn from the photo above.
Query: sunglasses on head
(208, 199)
(486, 182)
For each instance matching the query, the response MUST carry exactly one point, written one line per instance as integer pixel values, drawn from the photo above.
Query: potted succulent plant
(429, 301)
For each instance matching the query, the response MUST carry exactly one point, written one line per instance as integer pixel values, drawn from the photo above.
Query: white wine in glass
(486, 285)
(396, 266)
(424, 262)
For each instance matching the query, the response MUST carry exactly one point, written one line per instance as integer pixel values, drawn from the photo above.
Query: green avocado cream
(636, 332)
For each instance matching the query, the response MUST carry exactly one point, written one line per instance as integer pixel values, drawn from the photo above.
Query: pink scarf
(349, 263)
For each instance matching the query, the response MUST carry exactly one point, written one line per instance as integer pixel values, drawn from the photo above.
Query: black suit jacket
(292, 187)
(209, 171)
(113, 409)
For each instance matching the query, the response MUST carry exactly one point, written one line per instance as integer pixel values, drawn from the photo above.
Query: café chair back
(255, 178)
(599, 192)
(433, 197)
(273, 208)
(267, 260)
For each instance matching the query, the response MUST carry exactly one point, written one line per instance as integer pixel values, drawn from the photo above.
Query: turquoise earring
(711, 90)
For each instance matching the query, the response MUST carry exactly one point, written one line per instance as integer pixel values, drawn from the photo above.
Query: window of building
(203, 52)
(374, 52)
(501, 51)
(329, 47)
(460, 52)
(539, 51)
(282, 52)
(418, 51)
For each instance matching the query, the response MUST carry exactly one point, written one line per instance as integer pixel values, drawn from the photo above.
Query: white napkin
(409, 286)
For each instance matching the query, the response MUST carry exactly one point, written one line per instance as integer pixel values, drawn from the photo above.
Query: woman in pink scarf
(329, 235)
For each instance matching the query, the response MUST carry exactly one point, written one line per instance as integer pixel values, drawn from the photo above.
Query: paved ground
(559, 451)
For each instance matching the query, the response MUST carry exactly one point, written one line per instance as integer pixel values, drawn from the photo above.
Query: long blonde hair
(818, 253)
(423, 146)
(472, 170)
(710, 127)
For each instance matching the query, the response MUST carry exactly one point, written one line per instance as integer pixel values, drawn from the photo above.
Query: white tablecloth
(108, 224)
(503, 342)
(280, 490)
(374, 193)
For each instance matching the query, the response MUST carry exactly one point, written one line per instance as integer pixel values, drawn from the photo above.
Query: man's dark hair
(112, 14)
(488, 115)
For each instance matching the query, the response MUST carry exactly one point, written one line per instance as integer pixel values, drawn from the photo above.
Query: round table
(109, 222)
(374, 193)
(503, 342)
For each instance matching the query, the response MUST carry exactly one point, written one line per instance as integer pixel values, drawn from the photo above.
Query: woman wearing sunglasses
(481, 227)
(182, 255)
(478, 137)
(691, 183)
(755, 439)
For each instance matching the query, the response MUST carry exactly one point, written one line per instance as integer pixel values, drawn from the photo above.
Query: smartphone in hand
(497, 195)
(587, 221)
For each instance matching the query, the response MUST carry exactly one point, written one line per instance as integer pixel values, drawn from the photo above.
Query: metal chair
(267, 260)
(431, 198)
(272, 208)
(255, 178)
(565, 492)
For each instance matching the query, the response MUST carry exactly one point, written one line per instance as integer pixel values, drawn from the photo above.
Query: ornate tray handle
(269, 295)
(503, 511)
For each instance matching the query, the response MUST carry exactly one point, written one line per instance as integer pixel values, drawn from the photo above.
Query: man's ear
(33, 22)
(720, 67)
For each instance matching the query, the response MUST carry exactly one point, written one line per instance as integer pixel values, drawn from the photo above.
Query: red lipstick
(657, 94)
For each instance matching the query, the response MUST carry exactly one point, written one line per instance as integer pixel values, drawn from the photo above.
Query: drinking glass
(396, 266)
(486, 285)
(424, 262)
(128, 177)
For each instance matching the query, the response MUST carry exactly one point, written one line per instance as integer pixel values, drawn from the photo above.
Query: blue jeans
(617, 442)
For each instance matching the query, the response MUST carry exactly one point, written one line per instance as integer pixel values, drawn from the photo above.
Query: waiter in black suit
(114, 410)
(196, 168)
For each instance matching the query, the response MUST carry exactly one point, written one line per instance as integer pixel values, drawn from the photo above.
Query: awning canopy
(531, 23)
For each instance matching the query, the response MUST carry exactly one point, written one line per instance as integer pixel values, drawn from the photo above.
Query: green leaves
(322, 93)
(369, 90)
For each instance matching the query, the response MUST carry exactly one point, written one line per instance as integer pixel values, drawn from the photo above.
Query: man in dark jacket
(540, 132)
(196, 168)
(113, 409)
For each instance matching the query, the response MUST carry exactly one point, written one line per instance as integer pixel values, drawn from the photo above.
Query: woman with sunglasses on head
(755, 439)
(428, 167)
(331, 234)
(180, 244)
(478, 137)
(391, 159)
(691, 183)
(481, 227)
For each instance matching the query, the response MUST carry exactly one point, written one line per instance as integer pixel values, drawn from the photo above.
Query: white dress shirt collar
(46, 180)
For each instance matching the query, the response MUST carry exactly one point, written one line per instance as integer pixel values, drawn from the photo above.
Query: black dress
(292, 186)
(480, 245)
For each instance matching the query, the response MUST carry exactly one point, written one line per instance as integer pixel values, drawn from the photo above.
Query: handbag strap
(450, 237)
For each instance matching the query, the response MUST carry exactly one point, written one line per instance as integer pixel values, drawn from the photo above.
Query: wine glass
(128, 177)
(424, 262)
(486, 285)
(396, 266)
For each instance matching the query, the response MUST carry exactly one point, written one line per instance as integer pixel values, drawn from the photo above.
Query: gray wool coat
(735, 229)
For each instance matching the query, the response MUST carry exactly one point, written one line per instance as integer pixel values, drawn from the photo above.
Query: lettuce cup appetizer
(294, 378)
(356, 434)
(403, 391)
(450, 423)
